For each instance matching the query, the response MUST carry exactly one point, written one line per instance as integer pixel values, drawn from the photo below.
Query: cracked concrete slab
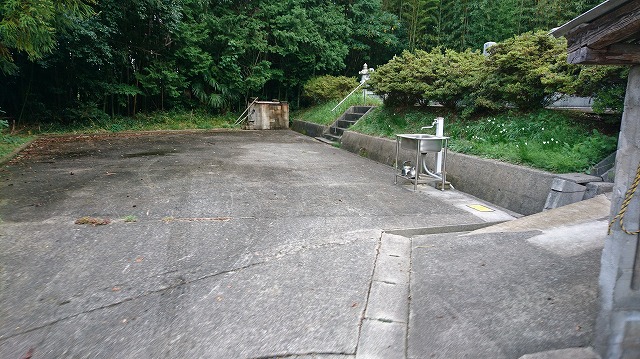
(244, 245)
(494, 294)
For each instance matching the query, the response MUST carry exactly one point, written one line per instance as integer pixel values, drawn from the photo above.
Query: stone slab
(388, 302)
(580, 178)
(557, 199)
(382, 340)
(496, 295)
(597, 188)
(563, 185)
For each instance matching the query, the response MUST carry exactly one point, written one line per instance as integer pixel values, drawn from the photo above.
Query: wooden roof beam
(618, 54)
(611, 28)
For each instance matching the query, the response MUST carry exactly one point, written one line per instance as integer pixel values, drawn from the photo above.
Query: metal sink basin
(422, 142)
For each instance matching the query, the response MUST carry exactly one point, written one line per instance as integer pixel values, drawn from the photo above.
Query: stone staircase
(346, 120)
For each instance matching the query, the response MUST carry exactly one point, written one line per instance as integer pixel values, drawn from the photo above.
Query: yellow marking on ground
(480, 208)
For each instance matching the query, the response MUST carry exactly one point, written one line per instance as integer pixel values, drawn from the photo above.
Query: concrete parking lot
(218, 245)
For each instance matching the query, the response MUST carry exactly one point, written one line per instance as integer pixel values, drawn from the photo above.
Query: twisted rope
(623, 209)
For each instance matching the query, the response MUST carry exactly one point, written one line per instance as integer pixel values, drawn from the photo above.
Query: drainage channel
(384, 330)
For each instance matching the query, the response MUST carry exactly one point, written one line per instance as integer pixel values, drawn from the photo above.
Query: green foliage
(60, 57)
(324, 88)
(544, 139)
(163, 120)
(607, 84)
(143, 55)
(325, 114)
(524, 71)
(443, 76)
(374, 37)
(463, 24)
(31, 27)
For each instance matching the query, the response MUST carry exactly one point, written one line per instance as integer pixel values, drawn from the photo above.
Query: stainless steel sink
(422, 142)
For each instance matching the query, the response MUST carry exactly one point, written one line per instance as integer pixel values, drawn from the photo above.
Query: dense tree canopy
(462, 24)
(77, 59)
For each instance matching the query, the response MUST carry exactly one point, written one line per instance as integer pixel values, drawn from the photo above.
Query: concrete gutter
(519, 189)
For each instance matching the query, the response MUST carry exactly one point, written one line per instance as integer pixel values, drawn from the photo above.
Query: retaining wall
(308, 128)
(520, 189)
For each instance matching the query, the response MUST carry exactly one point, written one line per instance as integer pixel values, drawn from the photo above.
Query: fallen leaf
(115, 289)
(29, 354)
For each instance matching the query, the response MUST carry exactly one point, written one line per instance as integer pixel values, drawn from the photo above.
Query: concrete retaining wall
(308, 128)
(519, 189)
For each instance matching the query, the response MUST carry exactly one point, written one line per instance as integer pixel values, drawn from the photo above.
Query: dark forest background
(69, 60)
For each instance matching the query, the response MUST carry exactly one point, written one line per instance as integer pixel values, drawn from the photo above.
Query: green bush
(325, 88)
(524, 71)
(556, 141)
(443, 76)
(397, 80)
(606, 84)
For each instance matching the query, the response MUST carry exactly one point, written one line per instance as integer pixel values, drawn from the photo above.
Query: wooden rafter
(614, 27)
(617, 54)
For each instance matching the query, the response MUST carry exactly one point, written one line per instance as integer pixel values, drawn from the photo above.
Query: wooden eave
(606, 35)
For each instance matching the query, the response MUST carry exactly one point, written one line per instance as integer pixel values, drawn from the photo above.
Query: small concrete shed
(268, 115)
(609, 34)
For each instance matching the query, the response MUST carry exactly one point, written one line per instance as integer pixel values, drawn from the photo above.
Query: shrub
(443, 76)
(524, 71)
(606, 84)
(325, 88)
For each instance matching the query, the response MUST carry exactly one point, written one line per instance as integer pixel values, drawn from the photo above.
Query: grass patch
(9, 143)
(323, 115)
(172, 120)
(550, 140)
(130, 219)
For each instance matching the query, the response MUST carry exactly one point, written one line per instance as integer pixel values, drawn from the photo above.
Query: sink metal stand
(419, 164)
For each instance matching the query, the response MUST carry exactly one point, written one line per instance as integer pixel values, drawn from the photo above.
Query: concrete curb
(308, 128)
(384, 326)
(517, 188)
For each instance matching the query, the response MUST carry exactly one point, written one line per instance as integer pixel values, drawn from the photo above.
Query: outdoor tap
(432, 124)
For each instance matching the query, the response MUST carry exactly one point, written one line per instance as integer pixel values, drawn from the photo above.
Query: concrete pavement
(261, 245)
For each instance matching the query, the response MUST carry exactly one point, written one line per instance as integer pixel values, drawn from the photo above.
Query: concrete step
(361, 109)
(327, 141)
(338, 131)
(330, 137)
(352, 116)
(346, 123)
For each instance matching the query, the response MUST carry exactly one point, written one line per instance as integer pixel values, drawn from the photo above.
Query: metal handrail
(240, 119)
(350, 93)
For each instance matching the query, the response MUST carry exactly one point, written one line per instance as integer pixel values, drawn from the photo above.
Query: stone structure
(268, 115)
(365, 73)
(609, 35)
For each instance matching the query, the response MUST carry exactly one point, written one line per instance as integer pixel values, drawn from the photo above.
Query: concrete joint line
(176, 285)
(420, 231)
(131, 298)
(383, 330)
(308, 354)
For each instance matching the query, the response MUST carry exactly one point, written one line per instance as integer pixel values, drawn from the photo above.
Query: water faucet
(432, 124)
